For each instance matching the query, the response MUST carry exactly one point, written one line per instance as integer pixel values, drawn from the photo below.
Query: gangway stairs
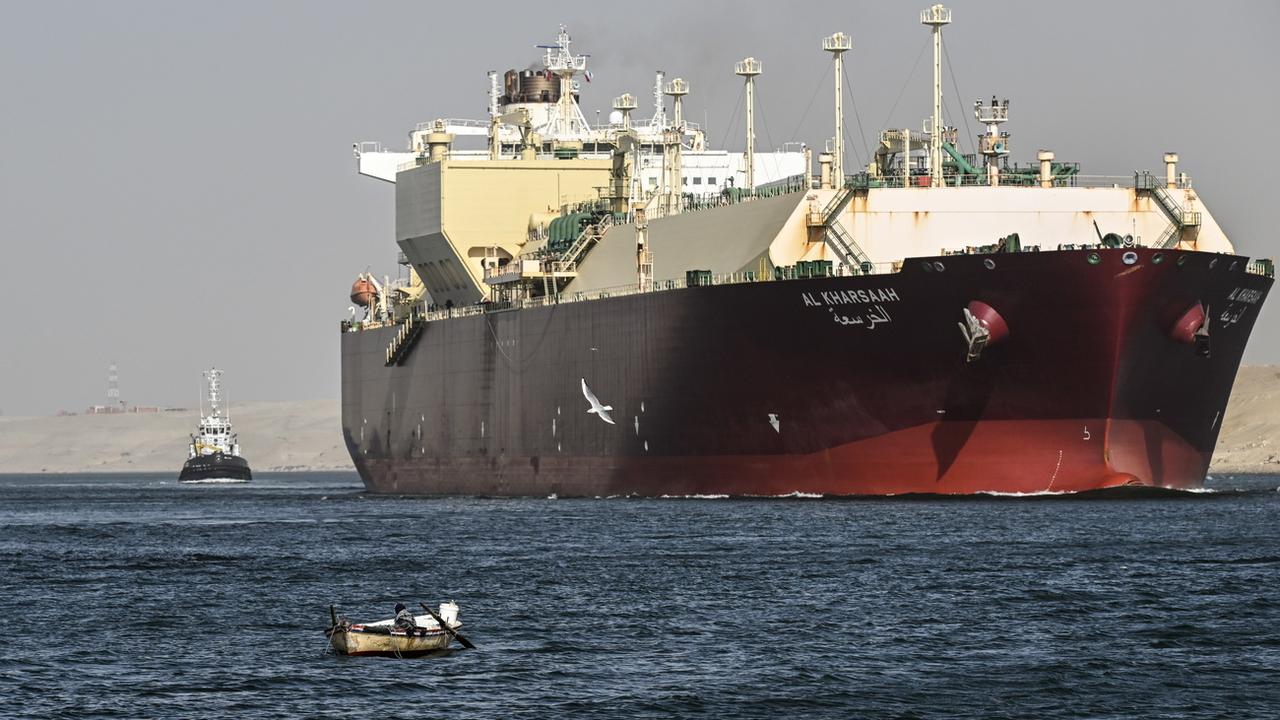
(834, 234)
(1179, 218)
(589, 236)
(403, 342)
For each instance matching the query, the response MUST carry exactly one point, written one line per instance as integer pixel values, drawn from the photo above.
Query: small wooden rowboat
(383, 638)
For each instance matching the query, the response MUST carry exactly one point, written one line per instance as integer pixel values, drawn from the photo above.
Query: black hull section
(837, 386)
(215, 467)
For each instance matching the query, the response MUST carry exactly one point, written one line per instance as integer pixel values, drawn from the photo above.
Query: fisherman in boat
(404, 619)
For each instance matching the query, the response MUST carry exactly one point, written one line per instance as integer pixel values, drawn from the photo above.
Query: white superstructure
(534, 114)
(214, 434)
(536, 204)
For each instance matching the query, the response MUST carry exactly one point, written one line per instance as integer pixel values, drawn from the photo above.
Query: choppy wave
(212, 604)
(1037, 493)
(694, 497)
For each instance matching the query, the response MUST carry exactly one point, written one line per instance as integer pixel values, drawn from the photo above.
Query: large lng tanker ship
(616, 309)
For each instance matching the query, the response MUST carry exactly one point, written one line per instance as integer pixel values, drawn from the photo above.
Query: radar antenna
(564, 65)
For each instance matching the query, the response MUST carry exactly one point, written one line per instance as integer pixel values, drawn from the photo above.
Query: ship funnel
(1171, 170)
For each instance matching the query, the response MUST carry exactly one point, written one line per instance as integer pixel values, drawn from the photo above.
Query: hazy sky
(177, 187)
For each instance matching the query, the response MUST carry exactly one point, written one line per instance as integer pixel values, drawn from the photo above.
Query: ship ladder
(1179, 219)
(838, 203)
(589, 236)
(403, 342)
(841, 241)
(835, 235)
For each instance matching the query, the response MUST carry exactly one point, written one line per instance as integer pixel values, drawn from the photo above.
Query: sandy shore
(307, 436)
(273, 436)
(1250, 438)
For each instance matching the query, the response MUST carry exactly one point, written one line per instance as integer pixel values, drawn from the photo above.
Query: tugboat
(214, 454)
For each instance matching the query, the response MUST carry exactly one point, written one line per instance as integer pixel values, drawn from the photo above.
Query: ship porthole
(927, 266)
(937, 265)
(1182, 260)
(1094, 258)
(1157, 258)
(1129, 258)
(989, 264)
(1235, 265)
(1213, 263)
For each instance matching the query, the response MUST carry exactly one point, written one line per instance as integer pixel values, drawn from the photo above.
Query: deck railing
(1265, 267)
(1261, 266)
(1140, 181)
(737, 278)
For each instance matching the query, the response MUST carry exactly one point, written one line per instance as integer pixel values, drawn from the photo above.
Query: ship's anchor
(1201, 336)
(976, 334)
(1192, 328)
(982, 327)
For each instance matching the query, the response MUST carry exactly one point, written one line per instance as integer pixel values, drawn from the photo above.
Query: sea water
(136, 597)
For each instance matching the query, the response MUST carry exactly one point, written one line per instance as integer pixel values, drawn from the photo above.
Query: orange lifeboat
(363, 292)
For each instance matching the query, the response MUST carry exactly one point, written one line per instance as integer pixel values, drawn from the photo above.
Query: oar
(461, 640)
(333, 617)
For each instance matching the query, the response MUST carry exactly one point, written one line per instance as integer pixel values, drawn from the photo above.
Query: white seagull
(600, 410)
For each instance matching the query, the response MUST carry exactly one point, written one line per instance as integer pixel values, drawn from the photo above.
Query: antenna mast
(214, 396)
(994, 143)
(659, 119)
(563, 64)
(673, 143)
(749, 69)
(935, 17)
(838, 45)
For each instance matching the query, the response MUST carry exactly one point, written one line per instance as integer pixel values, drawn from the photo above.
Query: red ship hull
(835, 386)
